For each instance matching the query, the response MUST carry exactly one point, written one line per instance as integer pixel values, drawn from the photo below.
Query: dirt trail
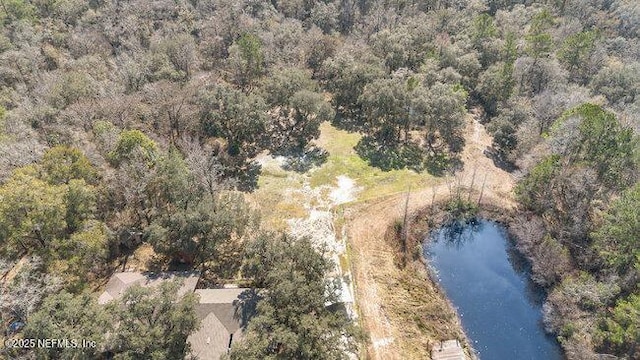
(373, 257)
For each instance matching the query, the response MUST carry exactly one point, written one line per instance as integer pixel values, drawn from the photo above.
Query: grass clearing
(343, 160)
(373, 181)
(280, 192)
(401, 310)
(277, 197)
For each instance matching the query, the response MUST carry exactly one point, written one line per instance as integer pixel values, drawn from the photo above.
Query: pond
(488, 282)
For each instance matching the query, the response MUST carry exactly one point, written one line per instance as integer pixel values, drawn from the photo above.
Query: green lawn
(279, 195)
(343, 160)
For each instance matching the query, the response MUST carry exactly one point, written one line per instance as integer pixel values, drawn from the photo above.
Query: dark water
(488, 283)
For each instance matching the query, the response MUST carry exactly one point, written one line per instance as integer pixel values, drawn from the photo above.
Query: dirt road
(372, 258)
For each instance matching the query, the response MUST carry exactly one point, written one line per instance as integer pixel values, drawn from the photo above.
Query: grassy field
(281, 194)
(400, 308)
(343, 160)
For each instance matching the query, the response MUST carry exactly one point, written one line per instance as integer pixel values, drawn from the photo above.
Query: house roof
(121, 281)
(223, 313)
(212, 340)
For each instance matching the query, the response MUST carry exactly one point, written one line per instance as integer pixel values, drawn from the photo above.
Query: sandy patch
(345, 192)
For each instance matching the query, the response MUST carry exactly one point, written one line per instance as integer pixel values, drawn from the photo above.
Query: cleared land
(401, 310)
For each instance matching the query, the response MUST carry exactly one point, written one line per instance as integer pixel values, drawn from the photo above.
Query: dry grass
(279, 198)
(141, 258)
(401, 309)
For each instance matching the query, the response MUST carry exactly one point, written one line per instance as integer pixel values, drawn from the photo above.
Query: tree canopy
(132, 131)
(293, 319)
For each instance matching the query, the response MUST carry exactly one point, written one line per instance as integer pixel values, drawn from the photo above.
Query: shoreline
(423, 220)
(421, 223)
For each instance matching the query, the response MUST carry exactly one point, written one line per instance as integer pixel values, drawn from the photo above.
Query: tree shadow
(456, 233)
(406, 156)
(534, 293)
(245, 176)
(390, 157)
(303, 161)
(439, 164)
(246, 306)
(498, 159)
(348, 120)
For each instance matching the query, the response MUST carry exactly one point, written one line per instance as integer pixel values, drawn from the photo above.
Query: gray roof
(121, 281)
(224, 314)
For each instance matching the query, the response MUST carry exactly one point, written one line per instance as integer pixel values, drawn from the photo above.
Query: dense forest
(137, 122)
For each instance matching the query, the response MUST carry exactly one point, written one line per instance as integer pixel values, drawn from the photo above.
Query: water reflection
(457, 233)
(534, 293)
(488, 281)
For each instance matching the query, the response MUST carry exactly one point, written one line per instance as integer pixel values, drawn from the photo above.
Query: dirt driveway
(376, 274)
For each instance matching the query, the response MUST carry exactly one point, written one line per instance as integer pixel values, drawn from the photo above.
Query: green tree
(246, 59)
(617, 239)
(131, 141)
(539, 44)
(65, 316)
(504, 138)
(346, 75)
(534, 191)
(80, 202)
(152, 323)
(173, 185)
(395, 47)
(280, 86)
(620, 331)
(62, 163)
(539, 40)
(510, 48)
(393, 107)
(302, 123)
(13, 10)
(606, 145)
(484, 28)
(299, 110)
(495, 86)
(83, 256)
(575, 52)
(71, 87)
(483, 35)
(445, 117)
(32, 212)
(54, 221)
(293, 320)
(209, 233)
(385, 103)
(238, 118)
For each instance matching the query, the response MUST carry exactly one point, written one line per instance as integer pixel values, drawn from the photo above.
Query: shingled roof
(121, 281)
(223, 313)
